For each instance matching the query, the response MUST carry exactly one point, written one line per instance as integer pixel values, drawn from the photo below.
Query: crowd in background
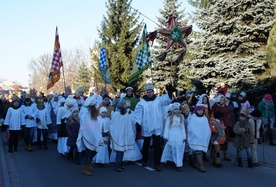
(179, 126)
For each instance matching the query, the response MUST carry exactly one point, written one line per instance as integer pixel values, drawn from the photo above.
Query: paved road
(45, 168)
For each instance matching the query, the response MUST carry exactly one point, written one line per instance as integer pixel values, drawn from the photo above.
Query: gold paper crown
(149, 86)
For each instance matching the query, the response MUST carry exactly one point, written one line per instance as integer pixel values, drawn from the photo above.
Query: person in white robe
(149, 116)
(174, 137)
(62, 114)
(122, 132)
(102, 157)
(90, 134)
(199, 134)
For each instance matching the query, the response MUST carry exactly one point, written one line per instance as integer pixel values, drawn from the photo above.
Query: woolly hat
(268, 97)
(70, 100)
(90, 101)
(122, 103)
(218, 114)
(129, 88)
(175, 106)
(199, 107)
(243, 94)
(103, 109)
(256, 113)
(243, 112)
(228, 95)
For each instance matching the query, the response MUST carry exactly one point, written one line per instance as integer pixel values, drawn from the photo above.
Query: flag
(103, 64)
(143, 59)
(54, 75)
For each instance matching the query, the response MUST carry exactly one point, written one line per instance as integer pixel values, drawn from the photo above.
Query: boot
(250, 163)
(186, 158)
(90, 165)
(240, 162)
(204, 157)
(216, 160)
(30, 148)
(119, 167)
(200, 162)
(226, 157)
(77, 158)
(270, 136)
(86, 170)
(191, 160)
(195, 162)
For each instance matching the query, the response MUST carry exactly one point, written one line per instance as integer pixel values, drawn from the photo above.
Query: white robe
(199, 133)
(122, 131)
(174, 148)
(90, 133)
(149, 115)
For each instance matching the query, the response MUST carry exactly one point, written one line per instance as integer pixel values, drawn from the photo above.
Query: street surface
(45, 168)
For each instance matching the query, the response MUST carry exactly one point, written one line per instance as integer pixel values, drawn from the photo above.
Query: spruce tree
(82, 78)
(164, 72)
(232, 49)
(271, 51)
(121, 37)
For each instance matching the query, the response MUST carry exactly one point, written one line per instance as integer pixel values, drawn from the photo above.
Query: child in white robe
(122, 133)
(102, 157)
(174, 137)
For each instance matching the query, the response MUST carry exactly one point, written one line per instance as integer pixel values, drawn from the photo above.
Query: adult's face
(129, 92)
(150, 93)
(222, 101)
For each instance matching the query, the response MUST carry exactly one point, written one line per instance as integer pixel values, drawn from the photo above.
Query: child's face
(200, 112)
(103, 114)
(176, 111)
(204, 101)
(187, 112)
(16, 104)
(75, 114)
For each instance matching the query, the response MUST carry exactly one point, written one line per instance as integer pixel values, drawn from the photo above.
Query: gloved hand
(38, 120)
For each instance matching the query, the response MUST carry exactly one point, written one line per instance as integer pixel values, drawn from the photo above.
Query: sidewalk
(4, 180)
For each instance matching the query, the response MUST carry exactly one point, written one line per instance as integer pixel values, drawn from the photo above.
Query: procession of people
(182, 129)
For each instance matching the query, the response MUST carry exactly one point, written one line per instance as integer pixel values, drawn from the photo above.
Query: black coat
(72, 129)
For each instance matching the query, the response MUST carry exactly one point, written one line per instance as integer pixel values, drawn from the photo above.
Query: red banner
(54, 75)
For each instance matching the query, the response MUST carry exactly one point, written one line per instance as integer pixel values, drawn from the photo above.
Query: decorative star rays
(174, 35)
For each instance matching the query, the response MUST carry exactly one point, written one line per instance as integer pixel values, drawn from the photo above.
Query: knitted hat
(103, 109)
(70, 100)
(175, 106)
(129, 88)
(243, 94)
(90, 101)
(199, 107)
(268, 97)
(243, 112)
(122, 103)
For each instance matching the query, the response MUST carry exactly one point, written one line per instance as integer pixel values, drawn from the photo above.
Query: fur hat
(122, 103)
(103, 109)
(149, 86)
(90, 101)
(268, 97)
(175, 106)
(243, 94)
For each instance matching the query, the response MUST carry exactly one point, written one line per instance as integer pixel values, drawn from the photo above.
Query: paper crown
(149, 86)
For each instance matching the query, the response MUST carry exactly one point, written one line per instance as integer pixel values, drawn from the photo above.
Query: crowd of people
(98, 130)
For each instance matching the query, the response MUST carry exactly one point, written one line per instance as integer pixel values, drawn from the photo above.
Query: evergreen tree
(121, 37)
(200, 3)
(83, 77)
(234, 38)
(164, 72)
(271, 51)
